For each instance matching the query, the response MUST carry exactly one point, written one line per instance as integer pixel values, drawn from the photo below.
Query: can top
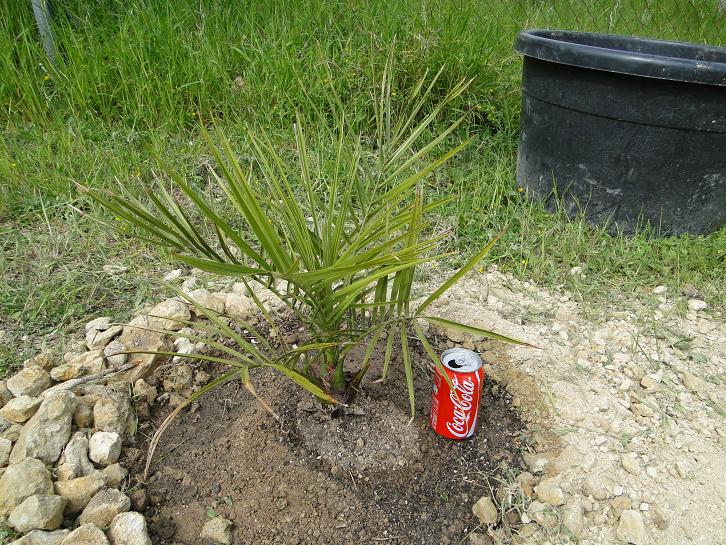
(461, 360)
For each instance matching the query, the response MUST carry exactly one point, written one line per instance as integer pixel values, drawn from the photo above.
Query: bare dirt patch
(373, 476)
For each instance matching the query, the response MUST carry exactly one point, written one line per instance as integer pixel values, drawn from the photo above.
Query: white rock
(87, 534)
(114, 353)
(22, 480)
(485, 510)
(631, 528)
(78, 492)
(103, 507)
(31, 381)
(693, 383)
(696, 304)
(40, 537)
(217, 530)
(536, 462)
(129, 529)
(549, 492)
(104, 447)
(630, 463)
(96, 339)
(660, 290)
(99, 324)
(113, 413)
(114, 475)
(5, 394)
(207, 300)
(74, 461)
(48, 431)
(167, 315)
(240, 307)
(20, 409)
(38, 512)
(5, 447)
(80, 365)
(543, 514)
(172, 275)
(573, 516)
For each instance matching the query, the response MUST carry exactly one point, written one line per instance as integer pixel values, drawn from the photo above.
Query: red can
(451, 417)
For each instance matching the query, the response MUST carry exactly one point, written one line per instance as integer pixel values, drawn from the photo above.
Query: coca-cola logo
(460, 425)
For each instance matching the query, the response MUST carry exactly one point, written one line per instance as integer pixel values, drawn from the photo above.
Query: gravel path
(635, 392)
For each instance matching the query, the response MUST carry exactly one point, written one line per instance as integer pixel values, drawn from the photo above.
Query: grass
(139, 74)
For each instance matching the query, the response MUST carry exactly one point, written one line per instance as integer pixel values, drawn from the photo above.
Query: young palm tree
(338, 245)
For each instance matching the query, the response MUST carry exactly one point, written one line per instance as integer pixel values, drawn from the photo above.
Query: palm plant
(338, 244)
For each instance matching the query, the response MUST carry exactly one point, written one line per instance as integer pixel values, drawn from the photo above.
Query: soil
(372, 476)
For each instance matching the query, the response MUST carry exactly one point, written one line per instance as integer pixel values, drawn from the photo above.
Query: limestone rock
(22, 480)
(96, 339)
(31, 381)
(74, 461)
(549, 492)
(239, 307)
(542, 514)
(104, 447)
(87, 534)
(536, 462)
(103, 507)
(78, 492)
(166, 315)
(83, 416)
(172, 275)
(40, 537)
(38, 512)
(630, 463)
(641, 409)
(99, 324)
(81, 365)
(631, 528)
(112, 413)
(217, 530)
(142, 340)
(569, 457)
(485, 510)
(207, 300)
(619, 504)
(114, 475)
(597, 486)
(114, 353)
(5, 394)
(693, 383)
(573, 516)
(5, 448)
(697, 304)
(20, 409)
(129, 529)
(48, 431)
(12, 431)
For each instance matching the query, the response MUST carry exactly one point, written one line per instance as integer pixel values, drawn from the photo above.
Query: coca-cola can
(454, 415)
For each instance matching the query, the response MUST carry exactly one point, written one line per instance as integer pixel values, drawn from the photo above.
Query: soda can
(451, 416)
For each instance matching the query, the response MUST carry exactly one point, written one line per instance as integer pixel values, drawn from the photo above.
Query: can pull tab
(454, 364)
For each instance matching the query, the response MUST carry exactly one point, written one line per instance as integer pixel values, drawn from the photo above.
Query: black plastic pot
(628, 130)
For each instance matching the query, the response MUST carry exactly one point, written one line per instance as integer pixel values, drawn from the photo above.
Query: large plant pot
(626, 129)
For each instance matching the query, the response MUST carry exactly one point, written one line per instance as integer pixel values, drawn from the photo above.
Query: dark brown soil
(374, 476)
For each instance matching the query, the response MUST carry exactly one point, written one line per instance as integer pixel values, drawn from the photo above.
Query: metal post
(42, 17)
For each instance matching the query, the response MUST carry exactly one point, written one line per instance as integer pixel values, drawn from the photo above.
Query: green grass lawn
(139, 75)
